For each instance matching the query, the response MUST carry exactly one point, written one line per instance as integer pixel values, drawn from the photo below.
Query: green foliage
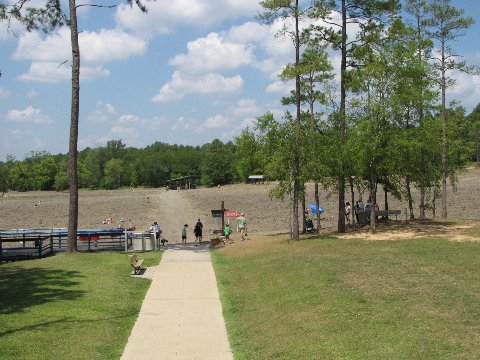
(114, 174)
(4, 177)
(249, 159)
(218, 163)
(115, 166)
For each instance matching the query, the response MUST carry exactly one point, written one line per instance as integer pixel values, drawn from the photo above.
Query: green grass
(80, 306)
(352, 299)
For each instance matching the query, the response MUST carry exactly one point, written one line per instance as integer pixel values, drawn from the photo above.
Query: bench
(385, 213)
(136, 264)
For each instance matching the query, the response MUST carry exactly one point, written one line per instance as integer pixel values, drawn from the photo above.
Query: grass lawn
(80, 306)
(329, 298)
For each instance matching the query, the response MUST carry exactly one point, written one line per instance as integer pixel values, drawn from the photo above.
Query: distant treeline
(264, 150)
(115, 165)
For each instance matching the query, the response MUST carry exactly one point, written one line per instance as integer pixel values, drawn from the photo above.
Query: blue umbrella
(313, 208)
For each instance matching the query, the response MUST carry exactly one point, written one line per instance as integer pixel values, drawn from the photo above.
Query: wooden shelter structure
(184, 182)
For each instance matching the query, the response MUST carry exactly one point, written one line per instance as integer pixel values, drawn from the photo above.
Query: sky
(187, 72)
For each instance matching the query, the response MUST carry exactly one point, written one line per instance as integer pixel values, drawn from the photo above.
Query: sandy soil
(265, 216)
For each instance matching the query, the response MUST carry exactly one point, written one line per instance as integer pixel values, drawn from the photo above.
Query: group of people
(241, 227)
(198, 231)
(359, 205)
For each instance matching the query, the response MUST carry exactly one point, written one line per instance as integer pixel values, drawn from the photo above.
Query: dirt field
(172, 209)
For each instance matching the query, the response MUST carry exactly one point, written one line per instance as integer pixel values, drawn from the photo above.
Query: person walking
(241, 226)
(198, 231)
(226, 232)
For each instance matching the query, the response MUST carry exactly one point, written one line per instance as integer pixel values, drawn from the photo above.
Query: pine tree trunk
(72, 149)
(410, 200)
(296, 157)
(342, 122)
(444, 136)
(317, 204)
(372, 187)
(352, 206)
(385, 197)
(304, 222)
(422, 203)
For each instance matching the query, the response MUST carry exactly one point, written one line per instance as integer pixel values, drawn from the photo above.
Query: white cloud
(109, 45)
(50, 48)
(244, 107)
(93, 141)
(55, 72)
(211, 83)
(184, 124)
(163, 17)
(281, 87)
(129, 118)
(8, 32)
(249, 32)
(466, 89)
(217, 121)
(104, 112)
(213, 53)
(51, 54)
(126, 133)
(96, 48)
(29, 115)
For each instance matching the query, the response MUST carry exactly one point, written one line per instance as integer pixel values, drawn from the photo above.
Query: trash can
(137, 242)
(149, 242)
(143, 242)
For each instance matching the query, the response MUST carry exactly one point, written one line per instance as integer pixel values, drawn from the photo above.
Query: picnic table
(363, 216)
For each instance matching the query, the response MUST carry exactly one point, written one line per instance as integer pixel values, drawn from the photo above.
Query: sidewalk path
(181, 315)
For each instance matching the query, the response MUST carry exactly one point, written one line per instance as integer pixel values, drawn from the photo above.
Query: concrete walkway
(181, 315)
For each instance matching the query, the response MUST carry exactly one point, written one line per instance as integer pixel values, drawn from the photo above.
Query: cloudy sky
(186, 73)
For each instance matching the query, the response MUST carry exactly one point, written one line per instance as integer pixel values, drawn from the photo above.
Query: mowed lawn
(329, 298)
(80, 306)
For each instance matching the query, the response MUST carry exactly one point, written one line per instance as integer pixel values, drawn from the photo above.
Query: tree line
(262, 150)
(115, 166)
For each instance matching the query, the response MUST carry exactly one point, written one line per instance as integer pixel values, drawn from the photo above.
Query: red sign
(231, 214)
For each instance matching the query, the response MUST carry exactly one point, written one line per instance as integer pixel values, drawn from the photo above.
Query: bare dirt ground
(265, 216)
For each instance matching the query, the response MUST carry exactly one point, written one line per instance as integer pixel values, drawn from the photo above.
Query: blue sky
(186, 73)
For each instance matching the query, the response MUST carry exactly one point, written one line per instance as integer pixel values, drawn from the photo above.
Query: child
(184, 234)
(226, 231)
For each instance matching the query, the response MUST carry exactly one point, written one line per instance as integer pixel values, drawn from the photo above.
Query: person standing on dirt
(184, 234)
(198, 231)
(226, 232)
(242, 226)
(155, 228)
(348, 209)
